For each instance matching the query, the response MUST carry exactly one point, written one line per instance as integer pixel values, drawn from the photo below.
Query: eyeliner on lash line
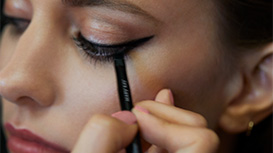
(105, 52)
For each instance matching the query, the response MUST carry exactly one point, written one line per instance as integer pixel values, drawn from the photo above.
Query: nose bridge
(29, 72)
(39, 43)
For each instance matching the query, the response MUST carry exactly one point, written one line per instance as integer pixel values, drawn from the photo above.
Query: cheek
(177, 71)
(93, 90)
(172, 66)
(84, 90)
(194, 75)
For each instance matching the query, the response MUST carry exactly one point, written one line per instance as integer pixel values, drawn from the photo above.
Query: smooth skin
(46, 81)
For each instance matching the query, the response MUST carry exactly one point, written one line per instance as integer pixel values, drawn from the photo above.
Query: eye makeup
(106, 52)
(19, 23)
(97, 52)
(98, 24)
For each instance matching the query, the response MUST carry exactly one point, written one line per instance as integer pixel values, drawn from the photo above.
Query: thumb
(105, 134)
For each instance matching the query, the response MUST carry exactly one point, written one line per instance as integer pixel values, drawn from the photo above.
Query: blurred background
(3, 142)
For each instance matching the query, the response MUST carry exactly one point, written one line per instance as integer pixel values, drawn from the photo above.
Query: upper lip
(29, 136)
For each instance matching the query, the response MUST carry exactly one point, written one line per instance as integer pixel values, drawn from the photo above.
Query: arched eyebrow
(121, 5)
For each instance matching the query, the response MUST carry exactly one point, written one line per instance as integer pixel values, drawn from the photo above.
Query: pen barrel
(135, 146)
(123, 85)
(125, 98)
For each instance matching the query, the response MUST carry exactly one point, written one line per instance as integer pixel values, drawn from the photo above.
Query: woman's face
(51, 87)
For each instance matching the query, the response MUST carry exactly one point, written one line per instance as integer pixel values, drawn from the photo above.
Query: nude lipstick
(24, 141)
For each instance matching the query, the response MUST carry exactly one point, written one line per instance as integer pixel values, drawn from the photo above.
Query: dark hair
(245, 23)
(1, 15)
(2, 137)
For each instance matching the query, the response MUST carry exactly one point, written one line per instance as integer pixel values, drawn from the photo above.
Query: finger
(165, 96)
(175, 137)
(105, 134)
(173, 114)
(155, 149)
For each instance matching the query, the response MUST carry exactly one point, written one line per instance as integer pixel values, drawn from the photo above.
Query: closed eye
(20, 24)
(106, 52)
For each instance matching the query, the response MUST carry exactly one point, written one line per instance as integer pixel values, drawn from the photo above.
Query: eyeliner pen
(125, 98)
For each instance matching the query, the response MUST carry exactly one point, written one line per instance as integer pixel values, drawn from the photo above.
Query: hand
(172, 129)
(165, 127)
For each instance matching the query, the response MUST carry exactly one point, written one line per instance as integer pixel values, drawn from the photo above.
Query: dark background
(3, 142)
(1, 17)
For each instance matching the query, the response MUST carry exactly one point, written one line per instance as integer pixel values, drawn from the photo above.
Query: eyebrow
(120, 5)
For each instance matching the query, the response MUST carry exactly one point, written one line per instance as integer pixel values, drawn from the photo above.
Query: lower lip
(19, 145)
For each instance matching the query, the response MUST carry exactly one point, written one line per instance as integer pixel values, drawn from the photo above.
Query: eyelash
(95, 52)
(19, 24)
(106, 52)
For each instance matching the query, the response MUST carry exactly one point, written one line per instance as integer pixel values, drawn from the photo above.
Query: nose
(22, 87)
(28, 76)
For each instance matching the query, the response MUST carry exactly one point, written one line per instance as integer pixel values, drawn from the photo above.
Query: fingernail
(171, 96)
(125, 116)
(141, 109)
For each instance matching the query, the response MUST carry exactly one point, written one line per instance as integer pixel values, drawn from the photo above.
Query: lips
(24, 141)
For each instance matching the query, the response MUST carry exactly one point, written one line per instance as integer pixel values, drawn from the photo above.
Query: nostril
(26, 101)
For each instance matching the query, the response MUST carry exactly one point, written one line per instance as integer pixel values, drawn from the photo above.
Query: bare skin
(46, 80)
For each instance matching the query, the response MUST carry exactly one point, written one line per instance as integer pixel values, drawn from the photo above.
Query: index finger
(105, 134)
(173, 114)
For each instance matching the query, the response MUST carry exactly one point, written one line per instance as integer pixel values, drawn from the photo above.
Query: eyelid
(15, 19)
(19, 23)
(134, 42)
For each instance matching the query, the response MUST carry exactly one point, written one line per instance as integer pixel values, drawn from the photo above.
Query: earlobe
(255, 101)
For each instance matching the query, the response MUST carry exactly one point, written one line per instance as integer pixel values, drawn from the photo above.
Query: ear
(255, 100)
